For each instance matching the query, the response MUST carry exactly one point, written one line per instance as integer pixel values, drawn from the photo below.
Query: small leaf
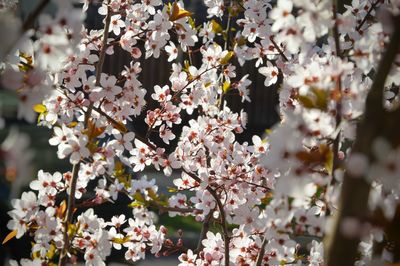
(39, 108)
(119, 169)
(305, 101)
(321, 98)
(207, 84)
(121, 240)
(329, 161)
(72, 124)
(60, 211)
(152, 194)
(172, 189)
(268, 131)
(10, 236)
(51, 251)
(227, 58)
(26, 62)
(92, 131)
(216, 27)
(241, 41)
(139, 197)
(178, 12)
(72, 228)
(120, 127)
(235, 10)
(135, 204)
(191, 22)
(226, 86)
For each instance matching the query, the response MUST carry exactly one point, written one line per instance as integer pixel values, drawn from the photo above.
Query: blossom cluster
(263, 195)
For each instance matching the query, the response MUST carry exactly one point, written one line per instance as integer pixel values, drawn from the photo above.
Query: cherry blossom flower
(270, 72)
(75, 148)
(116, 24)
(187, 259)
(172, 51)
(161, 94)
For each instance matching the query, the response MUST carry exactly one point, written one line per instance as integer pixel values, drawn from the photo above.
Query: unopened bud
(168, 242)
(180, 242)
(163, 229)
(180, 232)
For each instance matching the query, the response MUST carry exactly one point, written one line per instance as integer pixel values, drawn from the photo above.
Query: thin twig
(373, 6)
(227, 35)
(336, 143)
(100, 63)
(34, 15)
(260, 255)
(203, 233)
(271, 38)
(76, 167)
(69, 214)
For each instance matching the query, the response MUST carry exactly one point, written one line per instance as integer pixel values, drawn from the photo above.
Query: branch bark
(69, 214)
(342, 250)
(34, 15)
(75, 170)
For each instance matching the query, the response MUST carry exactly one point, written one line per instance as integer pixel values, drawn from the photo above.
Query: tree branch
(203, 233)
(342, 250)
(100, 63)
(34, 15)
(338, 89)
(69, 214)
(373, 6)
(76, 167)
(260, 255)
(278, 48)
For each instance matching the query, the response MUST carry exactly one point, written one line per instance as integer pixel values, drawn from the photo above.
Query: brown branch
(225, 231)
(203, 233)
(100, 63)
(34, 15)
(278, 48)
(163, 209)
(260, 255)
(338, 89)
(69, 214)
(342, 250)
(76, 167)
(373, 6)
